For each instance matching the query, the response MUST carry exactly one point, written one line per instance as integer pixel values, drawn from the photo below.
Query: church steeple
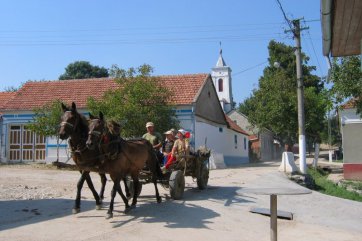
(220, 61)
(221, 76)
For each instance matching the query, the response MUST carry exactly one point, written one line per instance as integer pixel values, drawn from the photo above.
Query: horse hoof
(159, 200)
(99, 207)
(75, 210)
(127, 209)
(109, 215)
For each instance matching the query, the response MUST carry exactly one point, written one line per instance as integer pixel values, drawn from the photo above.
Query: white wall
(350, 116)
(51, 151)
(221, 140)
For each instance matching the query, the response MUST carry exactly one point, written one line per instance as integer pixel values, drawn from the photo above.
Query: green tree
(274, 104)
(334, 137)
(46, 120)
(346, 77)
(83, 70)
(10, 89)
(140, 98)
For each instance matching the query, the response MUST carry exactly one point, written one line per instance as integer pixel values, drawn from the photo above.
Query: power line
(285, 17)
(250, 68)
(315, 54)
(150, 28)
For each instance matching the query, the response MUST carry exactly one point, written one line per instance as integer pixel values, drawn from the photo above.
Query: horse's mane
(83, 124)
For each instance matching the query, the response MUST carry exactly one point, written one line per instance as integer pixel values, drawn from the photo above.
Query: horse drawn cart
(195, 165)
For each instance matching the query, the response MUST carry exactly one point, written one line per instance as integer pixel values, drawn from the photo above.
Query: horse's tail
(155, 164)
(159, 173)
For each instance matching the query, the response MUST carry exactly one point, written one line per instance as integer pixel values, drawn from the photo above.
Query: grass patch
(328, 187)
(353, 184)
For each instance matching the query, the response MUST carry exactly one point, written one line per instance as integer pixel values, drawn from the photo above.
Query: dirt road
(35, 204)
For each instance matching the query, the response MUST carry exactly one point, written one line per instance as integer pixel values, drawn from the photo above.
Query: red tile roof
(37, 94)
(351, 104)
(234, 126)
(5, 97)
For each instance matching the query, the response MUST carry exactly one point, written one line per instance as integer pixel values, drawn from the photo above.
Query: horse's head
(97, 128)
(69, 121)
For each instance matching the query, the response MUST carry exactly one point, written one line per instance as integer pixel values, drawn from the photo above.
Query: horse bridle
(65, 123)
(98, 134)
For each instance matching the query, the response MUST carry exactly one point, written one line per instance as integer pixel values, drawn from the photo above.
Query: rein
(64, 123)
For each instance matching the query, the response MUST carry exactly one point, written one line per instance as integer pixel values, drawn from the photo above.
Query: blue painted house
(200, 107)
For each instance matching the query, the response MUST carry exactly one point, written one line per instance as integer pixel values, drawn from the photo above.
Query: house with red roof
(262, 143)
(351, 130)
(197, 108)
(4, 98)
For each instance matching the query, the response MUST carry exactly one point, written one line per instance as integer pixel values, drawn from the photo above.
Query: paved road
(218, 213)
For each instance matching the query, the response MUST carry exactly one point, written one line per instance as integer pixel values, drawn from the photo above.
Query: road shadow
(229, 195)
(16, 213)
(174, 214)
(182, 213)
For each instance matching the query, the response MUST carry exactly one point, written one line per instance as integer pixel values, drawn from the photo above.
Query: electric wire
(250, 68)
(315, 54)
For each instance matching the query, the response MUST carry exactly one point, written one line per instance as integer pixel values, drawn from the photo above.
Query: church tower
(221, 76)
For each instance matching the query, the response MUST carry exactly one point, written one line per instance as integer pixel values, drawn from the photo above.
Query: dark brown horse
(75, 127)
(132, 157)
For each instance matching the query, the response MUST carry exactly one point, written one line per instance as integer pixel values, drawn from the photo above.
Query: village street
(36, 204)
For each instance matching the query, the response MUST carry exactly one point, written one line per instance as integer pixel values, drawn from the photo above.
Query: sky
(39, 38)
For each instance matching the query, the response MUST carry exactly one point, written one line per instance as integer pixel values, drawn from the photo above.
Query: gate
(25, 145)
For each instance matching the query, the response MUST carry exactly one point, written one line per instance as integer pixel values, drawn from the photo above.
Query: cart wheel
(177, 184)
(131, 188)
(203, 177)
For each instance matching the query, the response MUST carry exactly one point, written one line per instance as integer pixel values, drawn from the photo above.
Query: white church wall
(221, 140)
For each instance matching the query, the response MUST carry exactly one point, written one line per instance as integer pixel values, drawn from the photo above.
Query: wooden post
(273, 218)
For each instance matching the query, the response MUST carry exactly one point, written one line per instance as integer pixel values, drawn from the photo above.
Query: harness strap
(64, 123)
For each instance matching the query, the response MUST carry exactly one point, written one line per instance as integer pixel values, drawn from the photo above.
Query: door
(15, 143)
(25, 145)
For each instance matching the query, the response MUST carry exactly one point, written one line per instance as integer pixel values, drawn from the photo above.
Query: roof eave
(326, 15)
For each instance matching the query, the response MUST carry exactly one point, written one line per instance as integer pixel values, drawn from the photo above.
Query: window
(221, 85)
(236, 141)
(220, 129)
(244, 143)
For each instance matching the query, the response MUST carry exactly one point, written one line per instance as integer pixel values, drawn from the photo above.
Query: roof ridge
(79, 90)
(177, 75)
(110, 78)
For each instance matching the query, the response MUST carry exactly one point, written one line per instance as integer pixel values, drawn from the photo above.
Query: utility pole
(295, 29)
(300, 93)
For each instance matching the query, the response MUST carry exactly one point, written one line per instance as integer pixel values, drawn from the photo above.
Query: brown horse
(132, 157)
(75, 127)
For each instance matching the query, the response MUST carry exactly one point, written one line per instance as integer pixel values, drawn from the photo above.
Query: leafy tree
(335, 135)
(346, 77)
(11, 89)
(247, 106)
(140, 98)
(46, 120)
(274, 104)
(83, 70)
